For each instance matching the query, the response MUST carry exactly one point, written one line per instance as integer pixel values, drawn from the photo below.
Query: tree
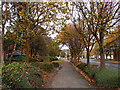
(53, 46)
(62, 54)
(82, 28)
(33, 16)
(4, 20)
(71, 38)
(100, 17)
(39, 45)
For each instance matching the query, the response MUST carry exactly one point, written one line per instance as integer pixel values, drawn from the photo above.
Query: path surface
(67, 77)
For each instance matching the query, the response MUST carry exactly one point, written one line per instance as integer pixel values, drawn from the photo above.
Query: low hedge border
(83, 74)
(107, 78)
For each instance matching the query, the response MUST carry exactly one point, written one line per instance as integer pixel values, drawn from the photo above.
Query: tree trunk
(106, 56)
(78, 58)
(3, 27)
(12, 53)
(102, 58)
(31, 52)
(2, 49)
(1, 52)
(27, 50)
(74, 58)
(71, 58)
(88, 54)
(110, 54)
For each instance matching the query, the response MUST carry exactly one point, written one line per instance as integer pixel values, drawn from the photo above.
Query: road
(107, 64)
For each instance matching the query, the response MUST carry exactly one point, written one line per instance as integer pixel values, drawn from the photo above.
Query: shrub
(60, 61)
(19, 59)
(22, 75)
(53, 58)
(43, 58)
(33, 59)
(91, 70)
(72, 61)
(108, 78)
(6, 59)
(82, 66)
(45, 66)
(56, 64)
(75, 63)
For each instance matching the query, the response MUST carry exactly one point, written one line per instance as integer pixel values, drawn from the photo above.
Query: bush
(22, 75)
(109, 59)
(108, 78)
(19, 59)
(45, 66)
(6, 59)
(43, 58)
(91, 70)
(53, 58)
(82, 66)
(56, 64)
(33, 59)
(71, 61)
(60, 61)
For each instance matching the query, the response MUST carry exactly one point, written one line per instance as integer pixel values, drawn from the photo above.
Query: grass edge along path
(118, 62)
(93, 80)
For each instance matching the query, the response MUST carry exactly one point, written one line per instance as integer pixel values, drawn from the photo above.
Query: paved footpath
(67, 77)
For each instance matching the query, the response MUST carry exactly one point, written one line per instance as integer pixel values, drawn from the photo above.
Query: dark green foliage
(82, 66)
(56, 64)
(75, 63)
(109, 59)
(52, 58)
(45, 66)
(104, 78)
(72, 61)
(91, 70)
(6, 59)
(43, 58)
(33, 59)
(108, 78)
(19, 58)
(22, 75)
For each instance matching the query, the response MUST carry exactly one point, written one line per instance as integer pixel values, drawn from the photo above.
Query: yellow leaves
(102, 2)
(113, 5)
(20, 13)
(26, 72)
(94, 14)
(106, 8)
(110, 19)
(42, 85)
(53, 10)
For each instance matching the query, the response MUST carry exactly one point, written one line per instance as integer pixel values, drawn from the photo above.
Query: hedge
(22, 75)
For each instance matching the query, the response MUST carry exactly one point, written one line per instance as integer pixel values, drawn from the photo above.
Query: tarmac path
(68, 77)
